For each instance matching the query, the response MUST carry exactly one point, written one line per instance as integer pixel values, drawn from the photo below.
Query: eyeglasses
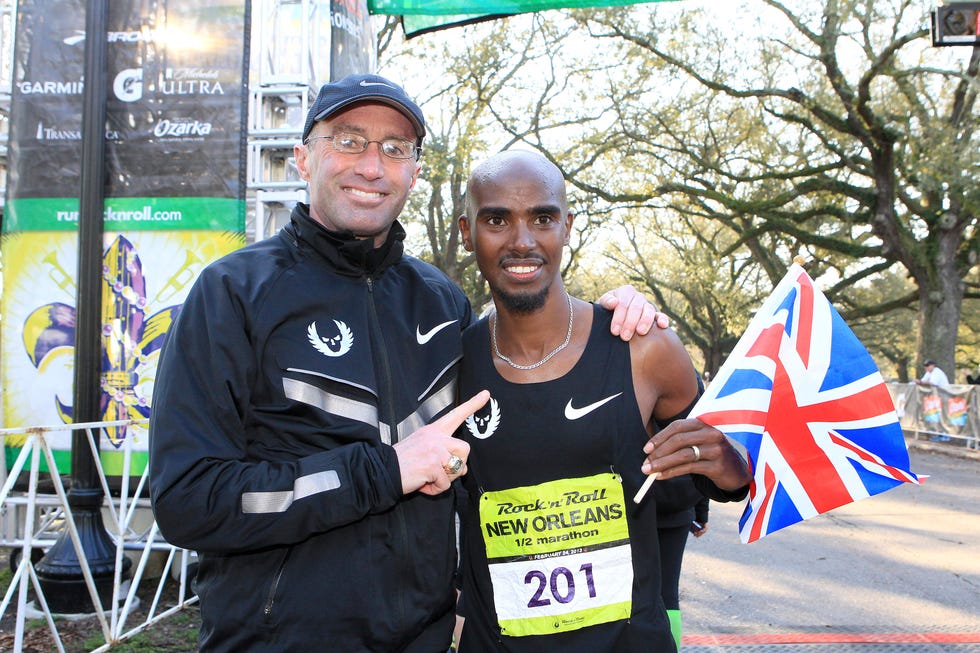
(394, 148)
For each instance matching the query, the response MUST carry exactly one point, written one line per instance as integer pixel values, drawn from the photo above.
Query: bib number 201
(564, 594)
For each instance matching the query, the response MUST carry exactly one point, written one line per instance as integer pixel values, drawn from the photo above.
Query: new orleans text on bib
(559, 554)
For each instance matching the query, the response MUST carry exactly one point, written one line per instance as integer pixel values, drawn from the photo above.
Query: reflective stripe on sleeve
(305, 486)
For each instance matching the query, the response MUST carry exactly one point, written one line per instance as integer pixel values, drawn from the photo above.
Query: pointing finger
(455, 418)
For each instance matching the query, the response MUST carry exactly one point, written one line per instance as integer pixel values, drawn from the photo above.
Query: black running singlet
(556, 556)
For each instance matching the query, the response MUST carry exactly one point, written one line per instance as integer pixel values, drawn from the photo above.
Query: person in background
(974, 378)
(933, 375)
(304, 407)
(700, 524)
(555, 557)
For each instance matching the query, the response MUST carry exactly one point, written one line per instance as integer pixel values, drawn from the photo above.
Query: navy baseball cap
(360, 88)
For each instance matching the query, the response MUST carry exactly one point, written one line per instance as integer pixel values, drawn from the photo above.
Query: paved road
(906, 561)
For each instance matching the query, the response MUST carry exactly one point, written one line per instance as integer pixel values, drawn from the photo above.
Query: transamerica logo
(44, 133)
(54, 134)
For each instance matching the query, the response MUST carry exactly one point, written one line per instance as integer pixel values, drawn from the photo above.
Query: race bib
(559, 554)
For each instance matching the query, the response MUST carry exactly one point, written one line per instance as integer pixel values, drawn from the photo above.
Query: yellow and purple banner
(174, 189)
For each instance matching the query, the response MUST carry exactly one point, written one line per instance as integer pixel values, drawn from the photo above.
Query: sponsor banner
(174, 187)
(952, 410)
(124, 213)
(352, 47)
(175, 110)
(146, 277)
(449, 7)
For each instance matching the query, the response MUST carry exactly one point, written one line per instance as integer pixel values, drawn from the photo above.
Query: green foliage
(753, 132)
(178, 636)
(834, 129)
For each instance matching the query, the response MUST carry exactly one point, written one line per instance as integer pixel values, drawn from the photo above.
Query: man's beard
(524, 303)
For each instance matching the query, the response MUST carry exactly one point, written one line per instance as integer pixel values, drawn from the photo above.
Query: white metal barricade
(33, 520)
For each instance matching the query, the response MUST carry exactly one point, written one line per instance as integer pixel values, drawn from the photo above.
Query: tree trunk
(940, 301)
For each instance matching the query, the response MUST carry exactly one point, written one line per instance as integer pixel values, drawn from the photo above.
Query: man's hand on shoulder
(632, 312)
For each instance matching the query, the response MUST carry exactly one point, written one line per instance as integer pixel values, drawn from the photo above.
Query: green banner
(418, 25)
(485, 7)
(125, 213)
(112, 461)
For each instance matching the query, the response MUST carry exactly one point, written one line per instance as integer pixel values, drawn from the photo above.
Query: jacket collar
(351, 256)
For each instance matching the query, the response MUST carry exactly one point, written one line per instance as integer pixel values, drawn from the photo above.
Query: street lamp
(59, 571)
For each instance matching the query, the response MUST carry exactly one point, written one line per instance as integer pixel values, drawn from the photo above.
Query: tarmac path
(899, 571)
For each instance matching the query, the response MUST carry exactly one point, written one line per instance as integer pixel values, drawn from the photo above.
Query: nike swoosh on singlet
(574, 413)
(423, 338)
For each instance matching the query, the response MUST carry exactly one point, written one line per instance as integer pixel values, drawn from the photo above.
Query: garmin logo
(181, 129)
(51, 88)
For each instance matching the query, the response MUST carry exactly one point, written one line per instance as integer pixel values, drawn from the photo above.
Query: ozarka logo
(181, 128)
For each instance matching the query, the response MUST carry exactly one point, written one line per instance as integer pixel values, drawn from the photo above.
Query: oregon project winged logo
(335, 346)
(482, 428)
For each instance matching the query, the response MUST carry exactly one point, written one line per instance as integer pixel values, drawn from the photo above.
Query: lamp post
(59, 571)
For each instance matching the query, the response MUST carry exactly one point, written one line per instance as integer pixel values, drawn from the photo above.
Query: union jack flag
(804, 397)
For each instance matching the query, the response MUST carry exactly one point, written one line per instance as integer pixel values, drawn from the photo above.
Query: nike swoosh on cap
(423, 338)
(365, 82)
(575, 413)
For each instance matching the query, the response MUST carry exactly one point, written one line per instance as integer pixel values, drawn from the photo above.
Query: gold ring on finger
(454, 466)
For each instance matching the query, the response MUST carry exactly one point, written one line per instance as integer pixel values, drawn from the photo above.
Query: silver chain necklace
(568, 338)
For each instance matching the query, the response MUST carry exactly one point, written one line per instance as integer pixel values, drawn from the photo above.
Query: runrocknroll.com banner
(175, 196)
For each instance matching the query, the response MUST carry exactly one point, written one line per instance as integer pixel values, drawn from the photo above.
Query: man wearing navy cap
(933, 375)
(300, 438)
